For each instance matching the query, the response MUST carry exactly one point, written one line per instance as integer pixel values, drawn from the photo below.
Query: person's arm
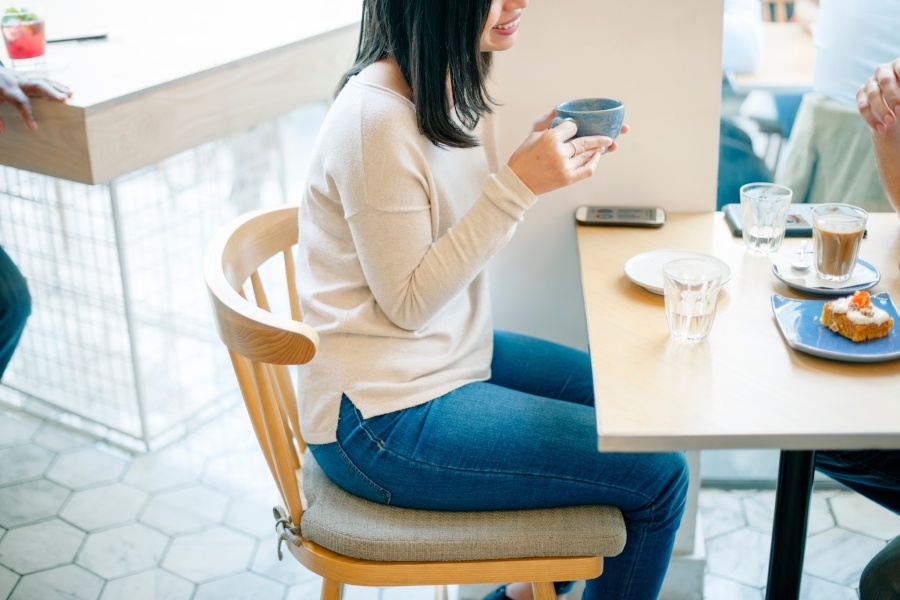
(879, 104)
(16, 88)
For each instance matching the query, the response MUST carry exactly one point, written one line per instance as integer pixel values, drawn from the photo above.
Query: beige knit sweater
(395, 234)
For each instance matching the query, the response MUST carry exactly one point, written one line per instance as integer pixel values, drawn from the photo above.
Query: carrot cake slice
(856, 318)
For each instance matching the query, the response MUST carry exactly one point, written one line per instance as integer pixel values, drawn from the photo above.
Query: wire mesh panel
(121, 338)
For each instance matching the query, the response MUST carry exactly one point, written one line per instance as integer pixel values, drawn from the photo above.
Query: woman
(413, 399)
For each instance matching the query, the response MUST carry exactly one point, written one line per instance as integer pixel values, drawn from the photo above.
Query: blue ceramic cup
(593, 116)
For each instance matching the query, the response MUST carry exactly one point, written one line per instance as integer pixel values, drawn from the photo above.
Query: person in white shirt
(830, 156)
(876, 473)
(413, 399)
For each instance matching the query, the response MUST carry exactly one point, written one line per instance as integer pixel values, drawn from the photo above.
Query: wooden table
(742, 387)
(172, 75)
(787, 62)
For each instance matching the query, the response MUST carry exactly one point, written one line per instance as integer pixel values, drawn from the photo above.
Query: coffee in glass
(837, 233)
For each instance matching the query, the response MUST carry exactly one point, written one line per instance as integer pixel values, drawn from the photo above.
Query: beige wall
(663, 59)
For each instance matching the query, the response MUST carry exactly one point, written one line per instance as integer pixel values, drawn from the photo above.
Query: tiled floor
(80, 519)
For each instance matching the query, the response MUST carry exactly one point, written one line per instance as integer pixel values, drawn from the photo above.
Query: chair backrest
(776, 10)
(262, 344)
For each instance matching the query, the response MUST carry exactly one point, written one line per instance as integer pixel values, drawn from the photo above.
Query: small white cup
(764, 207)
(691, 288)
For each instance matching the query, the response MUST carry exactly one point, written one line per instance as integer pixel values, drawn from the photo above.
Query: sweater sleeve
(412, 266)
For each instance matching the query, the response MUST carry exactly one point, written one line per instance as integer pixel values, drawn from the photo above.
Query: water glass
(691, 289)
(838, 230)
(764, 207)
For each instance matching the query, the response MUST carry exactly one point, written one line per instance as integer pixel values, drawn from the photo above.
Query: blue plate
(800, 323)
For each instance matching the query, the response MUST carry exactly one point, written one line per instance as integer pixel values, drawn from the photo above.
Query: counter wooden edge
(94, 145)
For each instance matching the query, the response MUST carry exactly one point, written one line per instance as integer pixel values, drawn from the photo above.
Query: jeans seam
(384, 493)
(545, 477)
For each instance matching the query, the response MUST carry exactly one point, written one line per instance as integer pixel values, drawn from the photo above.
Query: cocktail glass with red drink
(23, 33)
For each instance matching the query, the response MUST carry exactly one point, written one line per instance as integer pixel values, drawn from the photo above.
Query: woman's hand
(879, 97)
(550, 159)
(16, 89)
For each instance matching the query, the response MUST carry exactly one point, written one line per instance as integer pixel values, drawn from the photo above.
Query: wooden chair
(341, 537)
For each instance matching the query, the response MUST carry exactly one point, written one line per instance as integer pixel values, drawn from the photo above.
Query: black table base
(795, 480)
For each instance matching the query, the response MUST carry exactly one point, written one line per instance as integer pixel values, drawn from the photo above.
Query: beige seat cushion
(349, 525)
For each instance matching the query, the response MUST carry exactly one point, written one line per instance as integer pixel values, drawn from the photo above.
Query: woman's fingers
(542, 123)
(590, 143)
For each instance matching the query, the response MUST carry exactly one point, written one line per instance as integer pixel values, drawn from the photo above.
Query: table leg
(795, 479)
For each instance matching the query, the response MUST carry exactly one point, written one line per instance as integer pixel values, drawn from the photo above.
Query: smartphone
(621, 216)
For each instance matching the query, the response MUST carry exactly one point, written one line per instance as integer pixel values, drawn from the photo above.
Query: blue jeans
(527, 438)
(876, 475)
(15, 307)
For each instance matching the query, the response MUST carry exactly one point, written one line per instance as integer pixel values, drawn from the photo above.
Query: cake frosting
(856, 318)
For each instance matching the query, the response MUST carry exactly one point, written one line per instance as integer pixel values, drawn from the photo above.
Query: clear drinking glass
(691, 289)
(764, 207)
(23, 33)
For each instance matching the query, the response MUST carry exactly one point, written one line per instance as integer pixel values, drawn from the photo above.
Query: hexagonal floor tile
(64, 583)
(839, 556)
(59, 439)
(23, 462)
(168, 468)
(40, 546)
(149, 585)
(29, 502)
(719, 588)
(16, 427)
(721, 511)
(87, 467)
(213, 553)
(813, 588)
(253, 515)
(185, 510)
(240, 473)
(104, 506)
(760, 510)
(122, 551)
(8, 580)
(741, 556)
(858, 513)
(243, 586)
(287, 571)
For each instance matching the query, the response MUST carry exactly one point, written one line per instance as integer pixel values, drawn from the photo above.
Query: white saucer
(865, 276)
(646, 269)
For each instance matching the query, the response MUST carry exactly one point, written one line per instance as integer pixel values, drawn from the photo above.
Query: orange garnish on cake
(860, 299)
(856, 318)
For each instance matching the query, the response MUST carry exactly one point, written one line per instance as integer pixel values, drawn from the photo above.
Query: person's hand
(16, 88)
(879, 97)
(549, 159)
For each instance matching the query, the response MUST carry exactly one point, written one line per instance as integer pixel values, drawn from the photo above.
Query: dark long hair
(431, 39)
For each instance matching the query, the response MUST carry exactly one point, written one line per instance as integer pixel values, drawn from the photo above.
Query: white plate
(800, 323)
(646, 269)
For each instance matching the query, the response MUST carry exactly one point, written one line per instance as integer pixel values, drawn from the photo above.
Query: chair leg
(440, 592)
(331, 589)
(543, 590)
